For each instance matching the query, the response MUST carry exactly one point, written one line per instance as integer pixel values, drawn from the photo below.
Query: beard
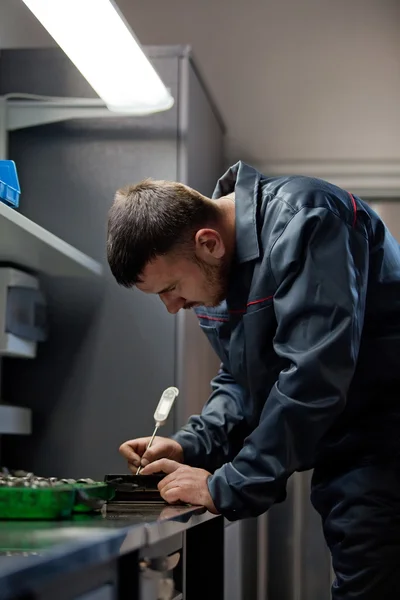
(216, 282)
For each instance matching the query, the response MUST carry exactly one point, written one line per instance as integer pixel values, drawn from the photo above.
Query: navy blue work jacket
(309, 339)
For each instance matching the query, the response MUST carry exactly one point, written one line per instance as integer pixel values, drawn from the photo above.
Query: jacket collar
(244, 181)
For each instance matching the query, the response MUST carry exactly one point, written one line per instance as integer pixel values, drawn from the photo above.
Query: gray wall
(97, 380)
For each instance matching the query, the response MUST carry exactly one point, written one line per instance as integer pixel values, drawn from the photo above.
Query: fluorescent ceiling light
(99, 42)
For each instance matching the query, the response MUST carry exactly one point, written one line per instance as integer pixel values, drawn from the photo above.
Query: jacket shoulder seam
(291, 219)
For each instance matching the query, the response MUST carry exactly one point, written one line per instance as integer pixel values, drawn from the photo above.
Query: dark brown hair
(153, 218)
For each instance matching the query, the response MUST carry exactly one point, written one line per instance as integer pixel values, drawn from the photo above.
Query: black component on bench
(135, 488)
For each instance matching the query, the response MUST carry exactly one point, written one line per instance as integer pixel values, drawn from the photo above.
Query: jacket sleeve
(217, 434)
(320, 265)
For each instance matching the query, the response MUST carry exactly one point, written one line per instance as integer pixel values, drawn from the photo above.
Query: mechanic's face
(184, 281)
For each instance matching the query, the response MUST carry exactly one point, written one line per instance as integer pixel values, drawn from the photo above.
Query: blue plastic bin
(9, 184)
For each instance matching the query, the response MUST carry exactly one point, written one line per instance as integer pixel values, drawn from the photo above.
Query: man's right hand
(136, 454)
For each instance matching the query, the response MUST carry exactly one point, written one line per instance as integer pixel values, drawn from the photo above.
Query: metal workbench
(102, 556)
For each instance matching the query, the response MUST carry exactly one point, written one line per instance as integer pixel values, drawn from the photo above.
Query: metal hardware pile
(24, 479)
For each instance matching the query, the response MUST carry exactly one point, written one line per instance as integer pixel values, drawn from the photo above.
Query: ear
(209, 245)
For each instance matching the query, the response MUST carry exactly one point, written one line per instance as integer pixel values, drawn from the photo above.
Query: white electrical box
(22, 313)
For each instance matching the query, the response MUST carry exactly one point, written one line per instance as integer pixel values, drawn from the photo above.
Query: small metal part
(22, 473)
(19, 473)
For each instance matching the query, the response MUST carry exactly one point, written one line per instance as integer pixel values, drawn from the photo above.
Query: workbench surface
(35, 551)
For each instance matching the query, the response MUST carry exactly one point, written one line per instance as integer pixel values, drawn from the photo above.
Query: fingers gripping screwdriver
(162, 412)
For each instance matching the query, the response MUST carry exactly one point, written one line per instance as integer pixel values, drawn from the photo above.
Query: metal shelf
(28, 245)
(15, 420)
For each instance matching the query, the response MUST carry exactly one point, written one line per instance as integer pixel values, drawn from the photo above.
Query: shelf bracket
(31, 113)
(19, 111)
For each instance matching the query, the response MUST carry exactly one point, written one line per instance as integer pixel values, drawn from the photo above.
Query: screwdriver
(161, 413)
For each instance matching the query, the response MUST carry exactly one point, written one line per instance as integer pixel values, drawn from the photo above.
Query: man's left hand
(182, 483)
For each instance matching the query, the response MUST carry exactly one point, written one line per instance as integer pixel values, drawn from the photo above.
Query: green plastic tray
(52, 503)
(44, 503)
(94, 494)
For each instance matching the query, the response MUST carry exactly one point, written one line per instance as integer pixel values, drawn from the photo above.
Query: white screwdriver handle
(162, 412)
(164, 406)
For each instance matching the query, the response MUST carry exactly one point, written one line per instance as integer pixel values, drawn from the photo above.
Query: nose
(172, 304)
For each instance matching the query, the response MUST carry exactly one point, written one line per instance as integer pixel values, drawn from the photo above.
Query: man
(296, 284)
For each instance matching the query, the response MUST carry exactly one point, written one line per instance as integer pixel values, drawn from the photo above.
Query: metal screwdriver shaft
(148, 446)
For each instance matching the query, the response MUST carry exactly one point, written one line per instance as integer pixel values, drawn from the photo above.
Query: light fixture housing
(97, 39)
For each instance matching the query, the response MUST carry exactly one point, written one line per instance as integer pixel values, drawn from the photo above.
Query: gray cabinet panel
(204, 142)
(200, 157)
